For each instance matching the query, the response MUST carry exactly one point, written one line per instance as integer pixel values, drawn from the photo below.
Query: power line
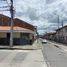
(4, 7)
(2, 0)
(7, 3)
(5, 10)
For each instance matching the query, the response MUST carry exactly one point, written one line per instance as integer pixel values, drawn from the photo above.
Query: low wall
(16, 41)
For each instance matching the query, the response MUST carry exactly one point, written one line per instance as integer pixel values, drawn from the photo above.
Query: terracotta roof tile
(15, 28)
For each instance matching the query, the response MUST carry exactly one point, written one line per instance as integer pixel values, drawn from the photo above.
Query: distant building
(50, 35)
(61, 34)
(23, 33)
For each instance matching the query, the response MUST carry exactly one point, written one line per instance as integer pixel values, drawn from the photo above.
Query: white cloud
(42, 13)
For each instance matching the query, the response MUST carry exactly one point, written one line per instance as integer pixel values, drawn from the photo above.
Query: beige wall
(62, 33)
(16, 35)
(2, 35)
(30, 36)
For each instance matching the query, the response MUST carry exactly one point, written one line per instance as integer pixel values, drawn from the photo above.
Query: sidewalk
(36, 45)
(61, 46)
(34, 59)
(23, 58)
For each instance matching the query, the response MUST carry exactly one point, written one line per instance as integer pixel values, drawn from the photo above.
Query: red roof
(6, 21)
(15, 29)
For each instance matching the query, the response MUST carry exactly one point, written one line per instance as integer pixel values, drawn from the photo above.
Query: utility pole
(58, 28)
(58, 21)
(62, 30)
(12, 16)
(62, 23)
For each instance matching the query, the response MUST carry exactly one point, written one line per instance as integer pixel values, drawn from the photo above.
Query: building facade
(61, 34)
(23, 33)
(50, 36)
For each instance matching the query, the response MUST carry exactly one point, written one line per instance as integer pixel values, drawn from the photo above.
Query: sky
(41, 13)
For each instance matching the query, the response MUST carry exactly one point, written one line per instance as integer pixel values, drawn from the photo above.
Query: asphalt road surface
(54, 56)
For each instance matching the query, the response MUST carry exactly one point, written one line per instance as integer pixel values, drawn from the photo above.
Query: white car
(44, 41)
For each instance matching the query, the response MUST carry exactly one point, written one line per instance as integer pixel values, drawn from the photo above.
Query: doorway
(8, 38)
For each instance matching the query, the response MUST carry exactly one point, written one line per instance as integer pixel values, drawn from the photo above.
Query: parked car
(44, 41)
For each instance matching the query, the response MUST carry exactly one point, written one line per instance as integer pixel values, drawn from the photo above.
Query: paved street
(49, 56)
(54, 56)
(22, 58)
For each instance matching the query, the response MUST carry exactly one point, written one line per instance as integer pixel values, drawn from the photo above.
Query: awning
(15, 29)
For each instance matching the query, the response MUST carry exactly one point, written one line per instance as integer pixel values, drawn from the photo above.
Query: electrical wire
(5, 1)
(4, 8)
(8, 3)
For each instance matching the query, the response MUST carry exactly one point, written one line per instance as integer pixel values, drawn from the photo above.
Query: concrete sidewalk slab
(22, 58)
(34, 59)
